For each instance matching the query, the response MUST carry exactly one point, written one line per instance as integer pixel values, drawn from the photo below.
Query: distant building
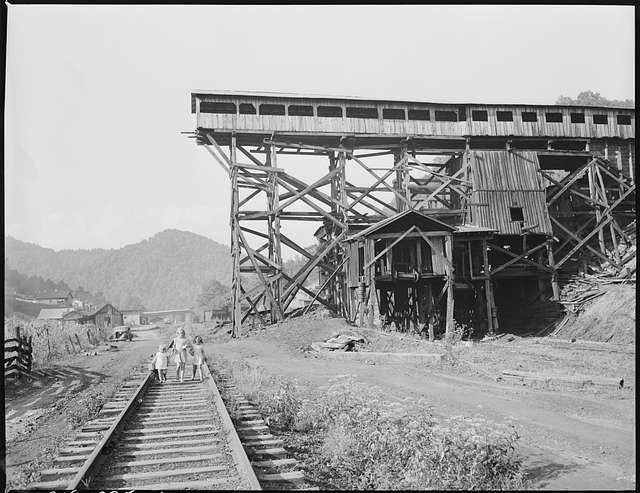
(217, 315)
(60, 299)
(184, 315)
(106, 317)
(73, 316)
(53, 313)
(132, 317)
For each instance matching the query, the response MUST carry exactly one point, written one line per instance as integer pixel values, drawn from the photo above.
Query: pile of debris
(339, 342)
(580, 289)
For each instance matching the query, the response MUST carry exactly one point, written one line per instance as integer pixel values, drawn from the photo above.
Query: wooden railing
(18, 354)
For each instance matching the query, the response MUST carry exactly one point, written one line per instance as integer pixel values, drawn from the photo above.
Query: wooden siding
(501, 180)
(467, 126)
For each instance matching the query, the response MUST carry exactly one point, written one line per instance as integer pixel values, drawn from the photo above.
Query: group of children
(182, 350)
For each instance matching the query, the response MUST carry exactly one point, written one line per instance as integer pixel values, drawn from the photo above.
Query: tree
(214, 295)
(590, 98)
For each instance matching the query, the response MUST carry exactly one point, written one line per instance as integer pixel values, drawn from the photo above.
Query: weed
(351, 438)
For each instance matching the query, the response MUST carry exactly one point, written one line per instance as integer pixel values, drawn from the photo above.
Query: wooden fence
(18, 354)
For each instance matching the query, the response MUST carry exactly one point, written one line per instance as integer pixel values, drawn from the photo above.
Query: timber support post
(554, 273)
(236, 314)
(488, 291)
(450, 285)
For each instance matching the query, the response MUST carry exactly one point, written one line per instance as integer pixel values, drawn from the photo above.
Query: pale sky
(96, 96)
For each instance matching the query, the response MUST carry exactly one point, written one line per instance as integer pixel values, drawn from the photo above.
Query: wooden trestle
(587, 209)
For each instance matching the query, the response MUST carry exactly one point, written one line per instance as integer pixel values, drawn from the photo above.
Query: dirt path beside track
(35, 421)
(571, 439)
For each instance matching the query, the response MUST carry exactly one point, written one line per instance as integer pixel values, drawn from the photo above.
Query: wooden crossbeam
(307, 146)
(517, 258)
(318, 183)
(266, 283)
(391, 189)
(368, 190)
(620, 181)
(379, 201)
(577, 239)
(574, 192)
(584, 240)
(314, 206)
(427, 170)
(253, 305)
(577, 232)
(262, 247)
(324, 284)
(248, 198)
(571, 179)
(447, 183)
(303, 273)
(218, 160)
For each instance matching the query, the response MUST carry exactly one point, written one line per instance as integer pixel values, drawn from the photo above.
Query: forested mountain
(37, 287)
(166, 271)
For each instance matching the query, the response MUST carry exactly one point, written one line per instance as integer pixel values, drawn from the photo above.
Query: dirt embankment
(608, 318)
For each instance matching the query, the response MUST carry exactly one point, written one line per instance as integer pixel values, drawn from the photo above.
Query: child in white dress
(160, 363)
(199, 357)
(180, 345)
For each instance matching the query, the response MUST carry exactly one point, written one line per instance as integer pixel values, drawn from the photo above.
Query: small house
(106, 317)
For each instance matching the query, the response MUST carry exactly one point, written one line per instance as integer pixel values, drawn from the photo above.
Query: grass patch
(349, 437)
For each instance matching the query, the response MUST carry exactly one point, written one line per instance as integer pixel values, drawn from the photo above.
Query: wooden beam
(402, 237)
(584, 240)
(450, 285)
(324, 284)
(236, 315)
(554, 273)
(571, 180)
(577, 239)
(302, 275)
(266, 283)
(397, 194)
(218, 160)
(487, 287)
(518, 257)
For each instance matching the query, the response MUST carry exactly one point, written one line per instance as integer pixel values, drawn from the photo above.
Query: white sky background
(96, 97)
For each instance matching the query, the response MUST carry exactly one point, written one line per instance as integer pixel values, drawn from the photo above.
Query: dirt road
(571, 439)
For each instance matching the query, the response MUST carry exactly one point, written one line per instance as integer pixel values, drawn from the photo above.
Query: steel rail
(237, 450)
(83, 478)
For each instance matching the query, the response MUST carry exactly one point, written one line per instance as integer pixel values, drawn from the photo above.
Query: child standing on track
(180, 345)
(199, 357)
(160, 363)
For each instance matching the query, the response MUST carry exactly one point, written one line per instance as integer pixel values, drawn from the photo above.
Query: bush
(357, 440)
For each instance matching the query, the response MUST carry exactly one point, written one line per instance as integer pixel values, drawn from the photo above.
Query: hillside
(165, 271)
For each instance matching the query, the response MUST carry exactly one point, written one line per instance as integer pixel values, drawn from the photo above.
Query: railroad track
(155, 436)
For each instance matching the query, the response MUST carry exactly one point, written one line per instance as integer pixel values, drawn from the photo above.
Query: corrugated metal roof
(502, 180)
(53, 313)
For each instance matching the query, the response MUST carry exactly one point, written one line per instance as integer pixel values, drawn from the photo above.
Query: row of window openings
(396, 113)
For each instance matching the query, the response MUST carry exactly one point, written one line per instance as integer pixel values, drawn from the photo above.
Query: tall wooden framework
(522, 192)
